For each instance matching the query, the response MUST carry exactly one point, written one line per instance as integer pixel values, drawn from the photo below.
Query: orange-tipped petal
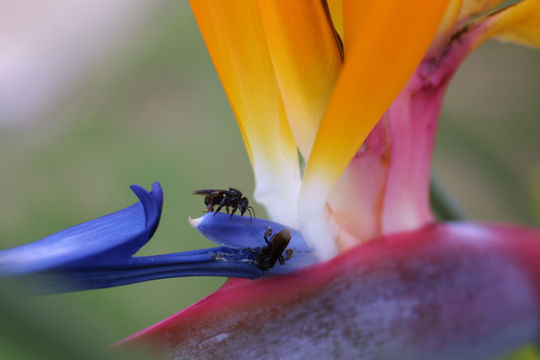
(354, 19)
(235, 39)
(519, 24)
(306, 58)
(389, 43)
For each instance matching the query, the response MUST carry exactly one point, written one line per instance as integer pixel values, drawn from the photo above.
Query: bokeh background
(93, 99)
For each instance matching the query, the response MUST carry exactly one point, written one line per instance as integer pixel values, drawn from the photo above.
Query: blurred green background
(154, 110)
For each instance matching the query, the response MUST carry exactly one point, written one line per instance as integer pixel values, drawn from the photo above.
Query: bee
(273, 251)
(232, 198)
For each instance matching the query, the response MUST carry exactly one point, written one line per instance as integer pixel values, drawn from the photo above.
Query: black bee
(272, 252)
(231, 198)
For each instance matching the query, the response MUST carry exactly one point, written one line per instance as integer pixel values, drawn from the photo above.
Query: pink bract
(467, 291)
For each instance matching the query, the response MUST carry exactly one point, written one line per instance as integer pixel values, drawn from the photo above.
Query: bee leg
(221, 205)
(233, 211)
(218, 209)
(250, 209)
(288, 254)
(267, 233)
(281, 259)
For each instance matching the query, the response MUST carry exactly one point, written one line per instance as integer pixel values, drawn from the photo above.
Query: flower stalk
(442, 203)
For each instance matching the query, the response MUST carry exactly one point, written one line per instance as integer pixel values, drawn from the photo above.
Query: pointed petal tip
(110, 237)
(195, 222)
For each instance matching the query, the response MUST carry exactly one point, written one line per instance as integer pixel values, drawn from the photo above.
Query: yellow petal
(306, 59)
(519, 23)
(447, 26)
(335, 7)
(472, 8)
(235, 39)
(388, 40)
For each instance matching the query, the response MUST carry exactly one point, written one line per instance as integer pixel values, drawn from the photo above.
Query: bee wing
(206, 192)
(284, 237)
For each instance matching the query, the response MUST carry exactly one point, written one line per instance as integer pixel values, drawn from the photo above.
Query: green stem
(445, 207)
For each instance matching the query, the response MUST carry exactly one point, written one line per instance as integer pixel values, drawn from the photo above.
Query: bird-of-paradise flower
(356, 88)
(352, 89)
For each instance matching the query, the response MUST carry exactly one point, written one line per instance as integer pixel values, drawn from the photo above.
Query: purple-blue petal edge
(101, 240)
(99, 253)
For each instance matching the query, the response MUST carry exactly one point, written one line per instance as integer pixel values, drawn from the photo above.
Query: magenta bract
(446, 291)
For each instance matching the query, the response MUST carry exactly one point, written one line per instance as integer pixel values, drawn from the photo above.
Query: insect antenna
(251, 212)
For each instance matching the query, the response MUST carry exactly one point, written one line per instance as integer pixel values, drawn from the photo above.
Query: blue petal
(219, 261)
(98, 241)
(99, 253)
(243, 232)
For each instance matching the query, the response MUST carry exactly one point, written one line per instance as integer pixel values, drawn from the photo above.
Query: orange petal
(387, 40)
(354, 19)
(519, 23)
(235, 39)
(306, 59)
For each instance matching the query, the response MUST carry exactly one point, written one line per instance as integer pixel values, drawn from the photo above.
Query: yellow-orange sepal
(386, 40)
(519, 23)
(306, 59)
(471, 8)
(234, 36)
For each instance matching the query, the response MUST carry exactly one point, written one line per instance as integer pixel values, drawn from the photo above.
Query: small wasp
(231, 198)
(272, 252)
